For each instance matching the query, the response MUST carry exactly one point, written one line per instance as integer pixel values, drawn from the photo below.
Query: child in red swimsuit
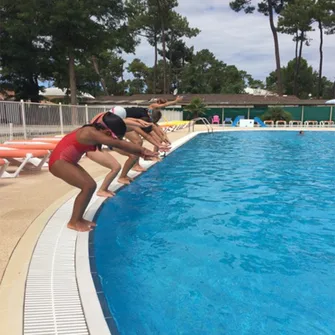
(63, 163)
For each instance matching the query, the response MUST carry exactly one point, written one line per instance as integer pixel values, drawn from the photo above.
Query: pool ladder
(204, 121)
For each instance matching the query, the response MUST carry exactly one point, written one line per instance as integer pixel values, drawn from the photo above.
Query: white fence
(23, 120)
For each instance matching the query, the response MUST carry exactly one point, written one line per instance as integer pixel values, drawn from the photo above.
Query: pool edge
(96, 315)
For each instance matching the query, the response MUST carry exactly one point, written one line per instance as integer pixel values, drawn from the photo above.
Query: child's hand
(154, 159)
(164, 148)
(147, 154)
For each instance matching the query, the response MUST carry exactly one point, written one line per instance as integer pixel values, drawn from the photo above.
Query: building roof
(210, 99)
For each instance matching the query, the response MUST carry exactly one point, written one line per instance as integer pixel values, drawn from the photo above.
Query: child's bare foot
(105, 194)
(156, 159)
(91, 223)
(130, 178)
(138, 168)
(124, 181)
(81, 225)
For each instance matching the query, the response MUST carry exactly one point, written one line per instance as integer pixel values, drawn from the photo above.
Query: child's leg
(132, 159)
(76, 176)
(108, 161)
(135, 138)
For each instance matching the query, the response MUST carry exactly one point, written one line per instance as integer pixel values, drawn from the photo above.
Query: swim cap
(119, 111)
(115, 124)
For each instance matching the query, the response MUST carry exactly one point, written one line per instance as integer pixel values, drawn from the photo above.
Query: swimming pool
(233, 233)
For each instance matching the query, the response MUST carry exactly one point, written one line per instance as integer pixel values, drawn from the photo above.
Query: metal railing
(204, 121)
(24, 120)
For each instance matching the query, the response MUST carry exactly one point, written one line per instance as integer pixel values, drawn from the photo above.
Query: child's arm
(136, 122)
(168, 103)
(158, 130)
(150, 139)
(98, 137)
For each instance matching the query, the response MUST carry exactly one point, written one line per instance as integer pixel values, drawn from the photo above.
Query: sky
(242, 40)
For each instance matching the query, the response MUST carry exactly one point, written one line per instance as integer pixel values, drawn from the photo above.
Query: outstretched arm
(158, 130)
(150, 139)
(136, 122)
(168, 103)
(98, 137)
(156, 136)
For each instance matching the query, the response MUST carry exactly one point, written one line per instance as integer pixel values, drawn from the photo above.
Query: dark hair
(115, 124)
(156, 116)
(161, 101)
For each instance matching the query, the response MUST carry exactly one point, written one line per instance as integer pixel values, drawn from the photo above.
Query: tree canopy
(78, 45)
(307, 80)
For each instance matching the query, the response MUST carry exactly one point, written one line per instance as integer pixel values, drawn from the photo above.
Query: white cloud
(242, 40)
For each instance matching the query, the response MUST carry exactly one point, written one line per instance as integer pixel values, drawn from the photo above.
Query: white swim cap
(119, 111)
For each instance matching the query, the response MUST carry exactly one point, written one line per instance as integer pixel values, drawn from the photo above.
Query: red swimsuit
(69, 149)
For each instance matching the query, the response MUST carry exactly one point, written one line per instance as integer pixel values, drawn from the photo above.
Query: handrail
(204, 121)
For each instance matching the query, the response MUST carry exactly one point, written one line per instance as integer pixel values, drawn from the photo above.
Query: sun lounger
(281, 123)
(47, 139)
(31, 145)
(269, 123)
(169, 127)
(29, 149)
(295, 123)
(326, 123)
(3, 166)
(173, 125)
(24, 159)
(311, 123)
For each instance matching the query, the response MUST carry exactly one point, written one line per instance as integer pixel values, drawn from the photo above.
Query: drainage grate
(52, 301)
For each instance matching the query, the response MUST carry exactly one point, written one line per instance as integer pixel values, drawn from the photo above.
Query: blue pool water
(233, 233)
